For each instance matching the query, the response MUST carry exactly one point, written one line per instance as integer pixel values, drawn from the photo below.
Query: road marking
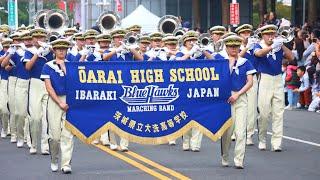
(132, 162)
(297, 140)
(157, 165)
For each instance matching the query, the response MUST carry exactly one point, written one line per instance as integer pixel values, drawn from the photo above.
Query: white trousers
(38, 99)
(271, 105)
(4, 111)
(252, 96)
(192, 139)
(21, 108)
(59, 137)
(239, 116)
(11, 103)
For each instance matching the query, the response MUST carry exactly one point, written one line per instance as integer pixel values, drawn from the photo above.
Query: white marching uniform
(270, 97)
(59, 137)
(38, 99)
(239, 73)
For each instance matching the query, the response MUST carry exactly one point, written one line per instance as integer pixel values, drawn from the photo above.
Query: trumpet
(54, 36)
(286, 33)
(256, 36)
(218, 46)
(131, 39)
(204, 40)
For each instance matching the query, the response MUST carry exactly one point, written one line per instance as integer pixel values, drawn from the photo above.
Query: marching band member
(34, 60)
(60, 138)
(88, 53)
(73, 54)
(70, 32)
(191, 49)
(192, 139)
(144, 45)
(104, 41)
(241, 81)
(269, 54)
(15, 53)
(246, 48)
(156, 46)
(4, 111)
(19, 121)
(217, 32)
(170, 43)
(120, 52)
(22, 88)
(135, 29)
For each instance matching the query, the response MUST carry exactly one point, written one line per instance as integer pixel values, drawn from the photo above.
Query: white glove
(84, 52)
(119, 49)
(250, 44)
(277, 43)
(194, 49)
(162, 55)
(135, 46)
(12, 50)
(42, 52)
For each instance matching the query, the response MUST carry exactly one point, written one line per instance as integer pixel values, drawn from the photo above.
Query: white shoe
(54, 167)
(249, 141)
(33, 150)
(172, 143)
(20, 143)
(298, 105)
(113, 147)
(238, 166)
(124, 149)
(186, 147)
(96, 141)
(29, 144)
(66, 170)
(276, 149)
(13, 139)
(105, 142)
(45, 152)
(233, 137)
(224, 162)
(262, 146)
(3, 134)
(288, 107)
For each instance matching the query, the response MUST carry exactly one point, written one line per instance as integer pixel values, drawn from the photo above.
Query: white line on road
(297, 140)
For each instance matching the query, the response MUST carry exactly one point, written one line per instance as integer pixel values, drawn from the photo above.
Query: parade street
(300, 159)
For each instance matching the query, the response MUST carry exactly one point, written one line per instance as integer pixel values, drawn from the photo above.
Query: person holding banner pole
(54, 76)
(241, 71)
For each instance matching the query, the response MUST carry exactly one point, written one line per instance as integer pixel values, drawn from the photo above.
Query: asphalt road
(298, 160)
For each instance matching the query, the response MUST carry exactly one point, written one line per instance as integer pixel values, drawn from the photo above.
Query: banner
(148, 102)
